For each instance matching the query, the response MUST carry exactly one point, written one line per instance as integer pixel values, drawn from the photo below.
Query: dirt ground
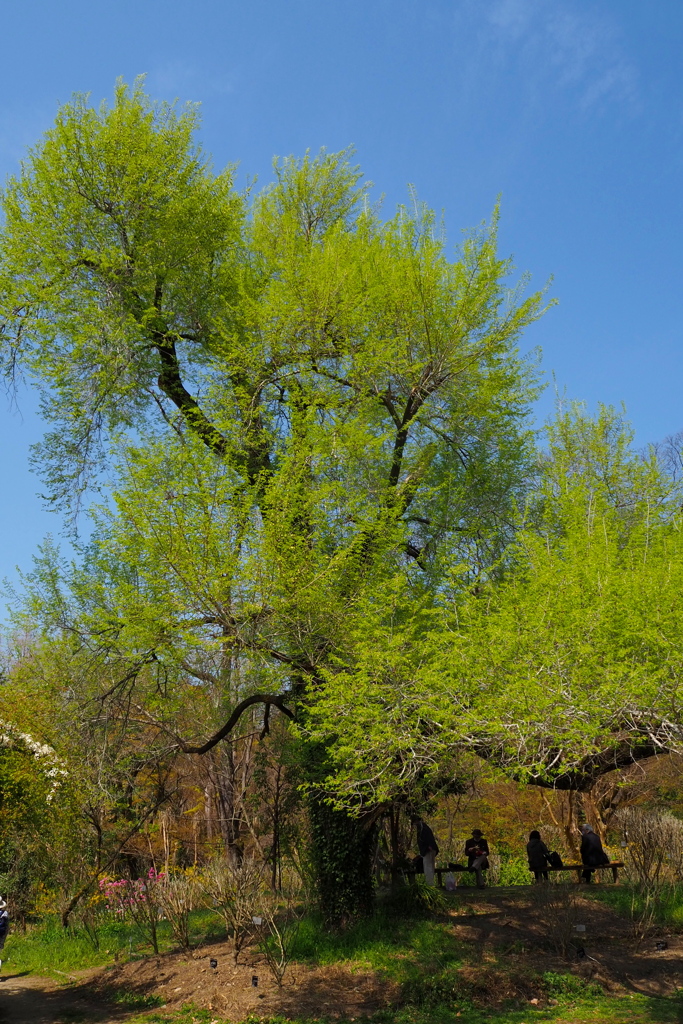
(495, 922)
(179, 979)
(507, 920)
(26, 999)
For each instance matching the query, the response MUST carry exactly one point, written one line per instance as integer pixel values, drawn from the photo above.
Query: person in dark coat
(428, 847)
(539, 856)
(592, 853)
(477, 851)
(4, 924)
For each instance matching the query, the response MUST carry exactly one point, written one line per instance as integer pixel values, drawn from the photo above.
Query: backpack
(4, 924)
(554, 860)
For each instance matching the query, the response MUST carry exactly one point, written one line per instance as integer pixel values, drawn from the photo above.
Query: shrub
(556, 908)
(177, 895)
(281, 915)
(653, 845)
(137, 899)
(233, 892)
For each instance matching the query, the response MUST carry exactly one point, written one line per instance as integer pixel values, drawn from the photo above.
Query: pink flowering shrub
(138, 900)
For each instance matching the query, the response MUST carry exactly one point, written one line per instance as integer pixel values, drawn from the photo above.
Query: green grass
(49, 949)
(129, 1000)
(379, 943)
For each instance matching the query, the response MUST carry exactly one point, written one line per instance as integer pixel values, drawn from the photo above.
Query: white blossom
(52, 765)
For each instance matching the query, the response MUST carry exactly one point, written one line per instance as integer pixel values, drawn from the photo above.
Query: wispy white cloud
(188, 81)
(561, 44)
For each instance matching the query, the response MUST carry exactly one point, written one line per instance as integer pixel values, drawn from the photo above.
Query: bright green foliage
(566, 667)
(578, 652)
(347, 355)
(325, 398)
(39, 822)
(116, 236)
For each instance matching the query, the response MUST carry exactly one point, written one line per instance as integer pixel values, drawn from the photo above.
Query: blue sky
(571, 110)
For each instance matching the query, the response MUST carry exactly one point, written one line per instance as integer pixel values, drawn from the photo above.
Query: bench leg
(615, 874)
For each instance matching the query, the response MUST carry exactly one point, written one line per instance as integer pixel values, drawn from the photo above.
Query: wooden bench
(410, 873)
(613, 866)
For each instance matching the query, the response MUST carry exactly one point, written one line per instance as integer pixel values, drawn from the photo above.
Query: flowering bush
(137, 899)
(51, 764)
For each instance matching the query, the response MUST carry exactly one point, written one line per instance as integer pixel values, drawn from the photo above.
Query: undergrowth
(438, 978)
(48, 948)
(624, 899)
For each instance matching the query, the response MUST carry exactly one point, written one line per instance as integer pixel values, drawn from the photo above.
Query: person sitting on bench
(477, 850)
(592, 853)
(539, 856)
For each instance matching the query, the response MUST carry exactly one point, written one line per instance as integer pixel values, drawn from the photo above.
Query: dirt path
(26, 999)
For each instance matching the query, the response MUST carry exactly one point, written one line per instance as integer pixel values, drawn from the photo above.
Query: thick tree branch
(412, 406)
(256, 698)
(414, 552)
(584, 776)
(172, 385)
(585, 773)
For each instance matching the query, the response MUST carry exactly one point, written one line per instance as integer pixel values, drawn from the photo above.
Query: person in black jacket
(477, 851)
(539, 856)
(428, 847)
(592, 853)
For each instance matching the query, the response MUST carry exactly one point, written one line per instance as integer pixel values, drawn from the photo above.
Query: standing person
(428, 847)
(539, 856)
(4, 924)
(592, 853)
(477, 851)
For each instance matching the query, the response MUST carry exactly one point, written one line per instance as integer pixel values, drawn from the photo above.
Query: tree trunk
(342, 856)
(222, 785)
(395, 840)
(342, 849)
